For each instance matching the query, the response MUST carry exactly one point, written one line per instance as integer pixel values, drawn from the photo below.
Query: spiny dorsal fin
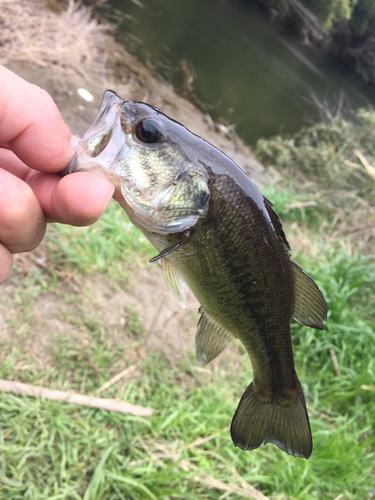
(211, 339)
(276, 223)
(310, 308)
(174, 282)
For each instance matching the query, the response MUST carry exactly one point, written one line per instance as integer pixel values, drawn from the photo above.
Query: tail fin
(281, 421)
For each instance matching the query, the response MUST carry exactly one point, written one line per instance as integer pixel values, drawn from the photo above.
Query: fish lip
(70, 167)
(106, 119)
(110, 101)
(103, 139)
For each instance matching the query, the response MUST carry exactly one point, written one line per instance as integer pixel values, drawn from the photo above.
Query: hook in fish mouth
(70, 167)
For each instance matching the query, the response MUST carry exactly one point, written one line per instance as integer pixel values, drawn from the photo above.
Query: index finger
(31, 125)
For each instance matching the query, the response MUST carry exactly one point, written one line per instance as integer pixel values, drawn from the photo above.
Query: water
(246, 72)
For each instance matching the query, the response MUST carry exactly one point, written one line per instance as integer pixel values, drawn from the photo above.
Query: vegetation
(332, 167)
(54, 451)
(51, 450)
(344, 27)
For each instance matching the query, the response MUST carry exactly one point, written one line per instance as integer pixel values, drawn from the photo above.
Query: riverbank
(65, 48)
(343, 29)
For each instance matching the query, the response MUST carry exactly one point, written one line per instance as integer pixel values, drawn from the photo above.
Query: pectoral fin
(211, 339)
(174, 282)
(310, 308)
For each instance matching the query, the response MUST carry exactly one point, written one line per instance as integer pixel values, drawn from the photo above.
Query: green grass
(51, 450)
(323, 167)
(319, 153)
(104, 246)
(295, 206)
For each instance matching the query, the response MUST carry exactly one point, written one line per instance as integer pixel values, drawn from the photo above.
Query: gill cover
(163, 187)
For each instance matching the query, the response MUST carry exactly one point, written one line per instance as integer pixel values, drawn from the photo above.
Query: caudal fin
(281, 421)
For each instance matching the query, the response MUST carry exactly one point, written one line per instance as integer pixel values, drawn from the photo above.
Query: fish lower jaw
(102, 166)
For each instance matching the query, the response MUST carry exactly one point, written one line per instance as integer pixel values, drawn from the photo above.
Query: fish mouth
(109, 114)
(103, 142)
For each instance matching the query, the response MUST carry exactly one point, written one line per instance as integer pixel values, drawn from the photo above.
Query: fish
(217, 235)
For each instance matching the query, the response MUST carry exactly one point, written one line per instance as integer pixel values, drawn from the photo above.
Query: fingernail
(104, 207)
(71, 166)
(108, 200)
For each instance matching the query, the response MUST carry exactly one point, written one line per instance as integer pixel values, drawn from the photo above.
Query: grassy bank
(64, 327)
(330, 179)
(51, 450)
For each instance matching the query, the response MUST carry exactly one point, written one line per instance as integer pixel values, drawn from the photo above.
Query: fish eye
(147, 131)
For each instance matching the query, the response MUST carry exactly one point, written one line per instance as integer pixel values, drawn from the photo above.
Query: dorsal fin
(310, 308)
(211, 339)
(276, 223)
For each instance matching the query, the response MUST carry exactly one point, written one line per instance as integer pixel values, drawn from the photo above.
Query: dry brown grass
(67, 39)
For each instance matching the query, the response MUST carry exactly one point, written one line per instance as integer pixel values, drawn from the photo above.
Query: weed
(52, 450)
(331, 165)
(105, 246)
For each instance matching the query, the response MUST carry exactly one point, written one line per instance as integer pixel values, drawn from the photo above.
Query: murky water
(246, 72)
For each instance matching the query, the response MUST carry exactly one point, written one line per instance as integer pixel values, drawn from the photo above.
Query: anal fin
(281, 421)
(211, 339)
(310, 308)
(174, 282)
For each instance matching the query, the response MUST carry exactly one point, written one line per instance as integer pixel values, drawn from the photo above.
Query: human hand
(35, 144)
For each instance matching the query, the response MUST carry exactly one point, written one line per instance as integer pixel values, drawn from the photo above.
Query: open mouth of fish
(103, 142)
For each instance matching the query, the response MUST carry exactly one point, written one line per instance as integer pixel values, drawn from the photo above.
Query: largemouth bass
(219, 236)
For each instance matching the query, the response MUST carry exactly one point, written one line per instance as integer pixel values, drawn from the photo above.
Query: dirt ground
(48, 43)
